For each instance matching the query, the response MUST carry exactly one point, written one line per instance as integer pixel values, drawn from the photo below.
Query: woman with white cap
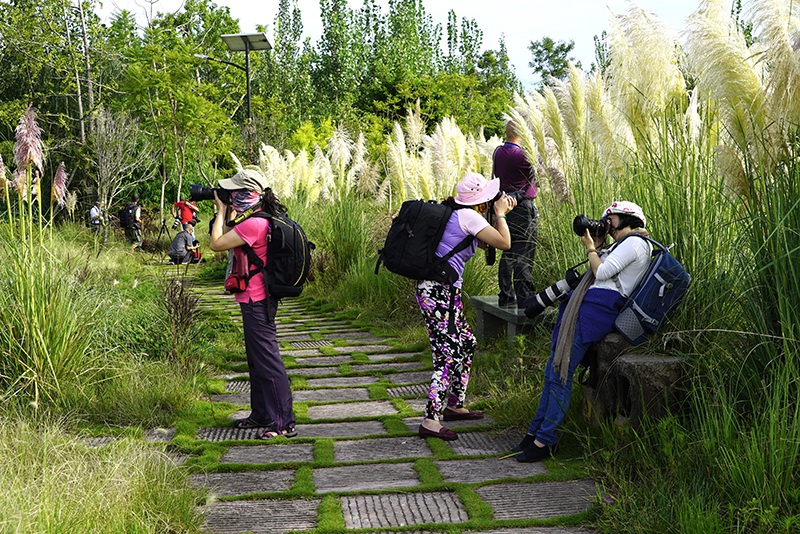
(587, 317)
(452, 341)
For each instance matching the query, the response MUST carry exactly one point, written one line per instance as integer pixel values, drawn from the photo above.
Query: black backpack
(288, 256)
(410, 247)
(127, 216)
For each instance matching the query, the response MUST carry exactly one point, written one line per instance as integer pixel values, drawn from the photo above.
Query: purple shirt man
(514, 170)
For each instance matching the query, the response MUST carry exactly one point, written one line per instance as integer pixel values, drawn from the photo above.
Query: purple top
(463, 222)
(513, 169)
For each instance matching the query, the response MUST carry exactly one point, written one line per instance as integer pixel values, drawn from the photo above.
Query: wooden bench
(493, 320)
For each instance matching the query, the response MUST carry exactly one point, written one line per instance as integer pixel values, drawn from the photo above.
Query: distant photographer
(588, 316)
(517, 180)
(97, 215)
(184, 246)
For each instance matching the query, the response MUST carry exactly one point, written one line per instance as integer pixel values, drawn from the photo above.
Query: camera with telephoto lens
(199, 192)
(597, 228)
(535, 304)
(490, 252)
(176, 224)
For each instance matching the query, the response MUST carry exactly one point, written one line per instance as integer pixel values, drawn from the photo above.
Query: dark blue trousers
(270, 394)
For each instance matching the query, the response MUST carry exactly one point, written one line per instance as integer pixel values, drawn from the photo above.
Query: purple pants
(270, 394)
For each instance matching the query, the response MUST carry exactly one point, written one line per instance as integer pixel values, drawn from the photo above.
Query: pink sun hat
(474, 189)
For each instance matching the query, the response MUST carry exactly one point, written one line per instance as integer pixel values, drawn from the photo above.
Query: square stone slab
(341, 381)
(323, 360)
(311, 344)
(261, 517)
(392, 366)
(331, 395)
(382, 511)
(412, 423)
(365, 477)
(419, 377)
(301, 352)
(416, 391)
(486, 469)
(313, 371)
(238, 386)
(228, 433)
(361, 337)
(479, 443)
(268, 454)
(351, 409)
(540, 500)
(231, 484)
(362, 348)
(381, 449)
(390, 356)
(352, 429)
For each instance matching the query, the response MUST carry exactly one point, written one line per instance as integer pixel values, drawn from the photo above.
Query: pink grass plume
(28, 149)
(59, 194)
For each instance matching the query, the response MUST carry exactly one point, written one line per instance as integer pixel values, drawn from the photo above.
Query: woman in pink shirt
(270, 392)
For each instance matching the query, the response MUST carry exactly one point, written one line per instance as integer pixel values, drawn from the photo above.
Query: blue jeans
(554, 402)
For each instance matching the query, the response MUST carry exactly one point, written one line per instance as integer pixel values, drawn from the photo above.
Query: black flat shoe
(534, 454)
(526, 442)
(453, 415)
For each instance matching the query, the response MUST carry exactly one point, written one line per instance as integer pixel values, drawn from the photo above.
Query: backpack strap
(652, 242)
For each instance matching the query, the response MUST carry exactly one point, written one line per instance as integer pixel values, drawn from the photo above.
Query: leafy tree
(551, 58)
(601, 54)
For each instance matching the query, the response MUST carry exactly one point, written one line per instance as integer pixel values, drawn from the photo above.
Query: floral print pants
(452, 345)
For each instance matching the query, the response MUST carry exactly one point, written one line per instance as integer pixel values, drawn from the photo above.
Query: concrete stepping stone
(381, 449)
(349, 429)
(418, 404)
(233, 377)
(341, 381)
(291, 338)
(365, 477)
(418, 377)
(261, 517)
(228, 433)
(231, 484)
(390, 356)
(311, 344)
(324, 360)
(313, 371)
(416, 390)
(363, 337)
(351, 409)
(236, 398)
(159, 435)
(331, 395)
(362, 348)
(383, 511)
(479, 443)
(399, 366)
(301, 352)
(238, 386)
(268, 454)
(540, 500)
(412, 423)
(486, 469)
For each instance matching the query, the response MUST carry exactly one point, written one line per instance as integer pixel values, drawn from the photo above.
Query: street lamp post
(242, 42)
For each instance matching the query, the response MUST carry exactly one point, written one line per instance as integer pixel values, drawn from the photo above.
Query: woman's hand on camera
(220, 205)
(503, 205)
(588, 241)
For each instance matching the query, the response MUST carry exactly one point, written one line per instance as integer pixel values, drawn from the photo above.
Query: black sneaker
(534, 453)
(526, 442)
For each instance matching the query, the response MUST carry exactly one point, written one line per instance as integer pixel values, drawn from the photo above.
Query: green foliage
(550, 58)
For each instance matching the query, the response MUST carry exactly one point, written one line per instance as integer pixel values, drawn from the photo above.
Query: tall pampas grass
(58, 193)
(340, 153)
(28, 149)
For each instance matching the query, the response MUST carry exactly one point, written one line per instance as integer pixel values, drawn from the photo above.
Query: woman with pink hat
(452, 342)
(587, 317)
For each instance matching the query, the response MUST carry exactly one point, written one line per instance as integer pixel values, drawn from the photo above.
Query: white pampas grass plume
(340, 152)
(527, 141)
(28, 149)
(609, 133)
(358, 165)
(324, 173)
(731, 169)
(71, 202)
(554, 126)
(236, 163)
(777, 24)
(20, 183)
(571, 97)
(415, 128)
(59, 192)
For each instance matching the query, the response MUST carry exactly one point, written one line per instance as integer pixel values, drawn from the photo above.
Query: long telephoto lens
(537, 303)
(198, 192)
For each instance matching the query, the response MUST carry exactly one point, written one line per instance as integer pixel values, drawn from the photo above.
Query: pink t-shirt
(254, 231)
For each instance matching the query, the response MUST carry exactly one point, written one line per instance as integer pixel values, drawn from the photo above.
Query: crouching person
(587, 317)
(183, 247)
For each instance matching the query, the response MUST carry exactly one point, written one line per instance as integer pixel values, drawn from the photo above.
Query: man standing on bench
(517, 180)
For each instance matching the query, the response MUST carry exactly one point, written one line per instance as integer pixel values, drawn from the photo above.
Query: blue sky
(520, 21)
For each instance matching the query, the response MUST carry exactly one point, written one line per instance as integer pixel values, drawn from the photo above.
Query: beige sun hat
(249, 178)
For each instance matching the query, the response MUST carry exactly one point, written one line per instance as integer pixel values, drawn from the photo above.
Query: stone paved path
(357, 462)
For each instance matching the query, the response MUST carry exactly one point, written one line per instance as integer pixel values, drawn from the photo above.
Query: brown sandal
(286, 432)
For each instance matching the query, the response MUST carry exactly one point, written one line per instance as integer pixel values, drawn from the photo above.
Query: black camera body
(199, 192)
(536, 304)
(596, 227)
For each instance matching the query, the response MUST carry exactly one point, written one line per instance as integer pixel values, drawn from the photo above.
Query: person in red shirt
(184, 211)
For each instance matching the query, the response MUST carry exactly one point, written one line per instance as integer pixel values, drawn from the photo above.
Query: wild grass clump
(56, 483)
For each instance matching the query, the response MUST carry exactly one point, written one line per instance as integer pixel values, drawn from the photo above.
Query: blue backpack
(662, 287)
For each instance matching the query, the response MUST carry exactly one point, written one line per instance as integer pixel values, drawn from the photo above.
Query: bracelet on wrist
(591, 250)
